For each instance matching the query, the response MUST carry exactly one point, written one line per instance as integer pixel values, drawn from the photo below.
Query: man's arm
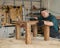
(49, 23)
(52, 22)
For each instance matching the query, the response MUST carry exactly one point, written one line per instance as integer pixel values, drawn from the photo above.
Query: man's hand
(48, 23)
(35, 17)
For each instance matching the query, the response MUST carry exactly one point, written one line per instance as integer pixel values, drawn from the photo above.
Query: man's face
(45, 13)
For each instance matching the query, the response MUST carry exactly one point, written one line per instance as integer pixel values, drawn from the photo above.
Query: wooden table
(28, 30)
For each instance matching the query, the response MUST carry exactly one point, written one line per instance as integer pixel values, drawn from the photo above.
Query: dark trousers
(53, 33)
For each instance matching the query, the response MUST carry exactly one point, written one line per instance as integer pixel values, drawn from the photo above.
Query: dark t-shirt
(51, 18)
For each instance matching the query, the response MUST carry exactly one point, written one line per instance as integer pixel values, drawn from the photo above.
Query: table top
(30, 22)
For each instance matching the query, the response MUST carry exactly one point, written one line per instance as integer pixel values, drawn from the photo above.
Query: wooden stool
(27, 26)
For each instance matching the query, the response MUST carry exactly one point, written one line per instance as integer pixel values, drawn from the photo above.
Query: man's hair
(42, 9)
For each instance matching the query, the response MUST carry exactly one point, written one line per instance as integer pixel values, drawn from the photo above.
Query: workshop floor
(37, 42)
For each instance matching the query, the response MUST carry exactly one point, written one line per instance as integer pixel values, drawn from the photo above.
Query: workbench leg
(28, 34)
(46, 33)
(35, 30)
(17, 32)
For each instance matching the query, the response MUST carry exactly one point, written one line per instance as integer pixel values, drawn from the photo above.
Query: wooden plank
(3, 13)
(17, 31)
(13, 14)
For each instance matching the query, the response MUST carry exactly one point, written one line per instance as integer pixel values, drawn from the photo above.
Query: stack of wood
(11, 13)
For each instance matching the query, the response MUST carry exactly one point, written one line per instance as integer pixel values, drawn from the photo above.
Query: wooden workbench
(27, 26)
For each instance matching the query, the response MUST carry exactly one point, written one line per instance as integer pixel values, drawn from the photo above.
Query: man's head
(44, 12)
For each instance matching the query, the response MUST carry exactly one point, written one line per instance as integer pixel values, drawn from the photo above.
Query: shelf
(29, 0)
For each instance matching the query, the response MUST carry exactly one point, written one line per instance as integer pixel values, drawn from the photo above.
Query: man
(48, 19)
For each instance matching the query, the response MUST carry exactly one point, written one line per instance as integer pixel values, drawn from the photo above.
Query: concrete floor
(37, 42)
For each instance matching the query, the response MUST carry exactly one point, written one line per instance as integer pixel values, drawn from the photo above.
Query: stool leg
(35, 30)
(28, 34)
(46, 32)
(17, 31)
